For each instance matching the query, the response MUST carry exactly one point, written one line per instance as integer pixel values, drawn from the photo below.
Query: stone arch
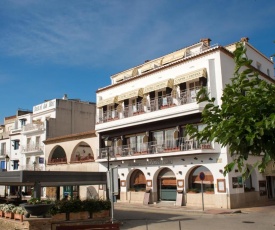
(82, 152)
(57, 155)
(194, 181)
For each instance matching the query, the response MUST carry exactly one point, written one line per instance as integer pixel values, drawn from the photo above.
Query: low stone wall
(210, 200)
(35, 223)
(247, 199)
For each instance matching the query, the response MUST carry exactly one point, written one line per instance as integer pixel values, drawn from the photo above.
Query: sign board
(202, 175)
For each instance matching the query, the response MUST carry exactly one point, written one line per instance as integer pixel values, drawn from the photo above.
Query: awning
(146, 67)
(131, 94)
(159, 85)
(107, 101)
(174, 56)
(190, 76)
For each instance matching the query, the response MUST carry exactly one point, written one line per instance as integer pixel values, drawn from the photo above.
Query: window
(3, 165)
(136, 142)
(165, 139)
(23, 122)
(15, 164)
(195, 181)
(16, 144)
(259, 65)
(3, 149)
(137, 181)
(268, 72)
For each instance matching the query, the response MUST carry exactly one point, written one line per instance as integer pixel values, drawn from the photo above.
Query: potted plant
(8, 211)
(19, 212)
(192, 190)
(209, 190)
(37, 207)
(2, 213)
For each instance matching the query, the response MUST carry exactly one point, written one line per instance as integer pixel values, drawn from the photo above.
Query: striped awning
(190, 76)
(131, 94)
(107, 101)
(173, 56)
(159, 85)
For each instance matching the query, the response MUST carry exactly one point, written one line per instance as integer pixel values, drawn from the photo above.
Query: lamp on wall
(122, 174)
(195, 158)
(148, 173)
(210, 159)
(180, 172)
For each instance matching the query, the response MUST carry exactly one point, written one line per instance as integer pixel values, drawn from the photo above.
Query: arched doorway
(167, 185)
(194, 181)
(137, 181)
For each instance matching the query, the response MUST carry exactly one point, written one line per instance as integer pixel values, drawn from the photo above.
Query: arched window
(82, 152)
(194, 181)
(59, 155)
(137, 181)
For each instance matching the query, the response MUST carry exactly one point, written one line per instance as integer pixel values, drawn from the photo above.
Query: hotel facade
(143, 114)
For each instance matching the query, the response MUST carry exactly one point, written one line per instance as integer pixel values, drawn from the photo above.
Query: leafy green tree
(245, 122)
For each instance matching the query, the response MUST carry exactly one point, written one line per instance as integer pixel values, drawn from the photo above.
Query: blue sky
(48, 48)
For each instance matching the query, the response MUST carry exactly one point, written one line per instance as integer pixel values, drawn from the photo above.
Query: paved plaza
(154, 217)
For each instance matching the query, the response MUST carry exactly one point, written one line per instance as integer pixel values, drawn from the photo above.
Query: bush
(19, 210)
(8, 207)
(76, 205)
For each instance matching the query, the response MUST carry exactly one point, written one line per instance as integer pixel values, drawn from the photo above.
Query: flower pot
(60, 217)
(9, 215)
(37, 209)
(101, 214)
(79, 215)
(18, 217)
(2, 214)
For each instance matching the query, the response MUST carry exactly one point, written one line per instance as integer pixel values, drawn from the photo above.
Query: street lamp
(7, 159)
(108, 144)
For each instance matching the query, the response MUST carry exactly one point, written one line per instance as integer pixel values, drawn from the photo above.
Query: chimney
(65, 97)
(244, 39)
(206, 41)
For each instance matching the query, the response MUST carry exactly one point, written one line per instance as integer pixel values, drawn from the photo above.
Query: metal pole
(112, 195)
(202, 195)
(108, 172)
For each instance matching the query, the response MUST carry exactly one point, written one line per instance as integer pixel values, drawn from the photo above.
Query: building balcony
(178, 146)
(150, 105)
(32, 167)
(33, 127)
(31, 148)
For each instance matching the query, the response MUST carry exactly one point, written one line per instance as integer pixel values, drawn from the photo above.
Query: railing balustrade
(153, 104)
(32, 148)
(153, 147)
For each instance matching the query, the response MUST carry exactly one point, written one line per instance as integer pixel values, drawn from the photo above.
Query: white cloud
(93, 32)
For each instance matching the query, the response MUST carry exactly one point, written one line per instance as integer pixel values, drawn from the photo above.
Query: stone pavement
(169, 207)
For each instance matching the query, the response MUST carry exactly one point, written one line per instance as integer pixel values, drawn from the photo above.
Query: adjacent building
(143, 114)
(22, 136)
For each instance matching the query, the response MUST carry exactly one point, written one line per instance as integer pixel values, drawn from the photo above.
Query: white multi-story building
(143, 114)
(22, 135)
